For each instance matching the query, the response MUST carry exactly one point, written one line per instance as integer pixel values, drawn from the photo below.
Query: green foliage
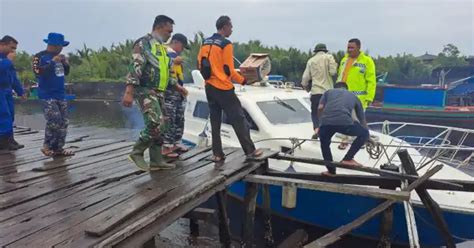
(404, 69)
(111, 64)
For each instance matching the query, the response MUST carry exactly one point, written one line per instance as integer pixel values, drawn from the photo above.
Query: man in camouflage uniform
(146, 82)
(175, 102)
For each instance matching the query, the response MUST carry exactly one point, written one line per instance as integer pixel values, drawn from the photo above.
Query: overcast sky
(385, 27)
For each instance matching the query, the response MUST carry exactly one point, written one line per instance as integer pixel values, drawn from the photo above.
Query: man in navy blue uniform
(8, 82)
(51, 67)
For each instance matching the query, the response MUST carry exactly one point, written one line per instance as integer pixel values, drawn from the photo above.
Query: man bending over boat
(335, 114)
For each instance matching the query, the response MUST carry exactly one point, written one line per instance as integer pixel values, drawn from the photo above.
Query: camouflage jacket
(144, 71)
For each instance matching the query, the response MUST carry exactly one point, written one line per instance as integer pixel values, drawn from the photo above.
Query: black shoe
(3, 143)
(14, 144)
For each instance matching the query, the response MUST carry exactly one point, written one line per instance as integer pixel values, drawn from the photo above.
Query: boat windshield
(286, 111)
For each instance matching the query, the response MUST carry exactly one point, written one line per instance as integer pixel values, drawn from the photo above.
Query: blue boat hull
(332, 210)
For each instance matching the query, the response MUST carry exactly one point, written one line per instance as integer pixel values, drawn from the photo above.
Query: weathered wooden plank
(144, 234)
(78, 240)
(295, 240)
(55, 233)
(152, 193)
(359, 168)
(193, 152)
(143, 222)
(331, 187)
(267, 153)
(70, 166)
(370, 180)
(335, 235)
(428, 202)
(24, 164)
(204, 214)
(66, 217)
(160, 223)
(56, 183)
(23, 209)
(102, 165)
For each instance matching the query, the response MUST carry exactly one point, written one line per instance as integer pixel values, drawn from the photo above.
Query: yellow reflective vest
(361, 77)
(158, 50)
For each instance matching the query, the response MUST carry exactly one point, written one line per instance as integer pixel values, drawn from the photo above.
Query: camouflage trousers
(175, 104)
(150, 102)
(56, 115)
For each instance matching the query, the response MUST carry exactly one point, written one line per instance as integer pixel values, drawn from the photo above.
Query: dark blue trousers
(327, 131)
(7, 112)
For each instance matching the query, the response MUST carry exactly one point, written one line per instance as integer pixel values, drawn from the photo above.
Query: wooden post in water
(425, 197)
(194, 227)
(224, 229)
(386, 222)
(250, 202)
(267, 211)
(267, 217)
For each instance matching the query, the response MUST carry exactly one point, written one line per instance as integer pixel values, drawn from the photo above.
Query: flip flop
(47, 152)
(216, 159)
(255, 154)
(64, 153)
(171, 155)
(181, 148)
(328, 174)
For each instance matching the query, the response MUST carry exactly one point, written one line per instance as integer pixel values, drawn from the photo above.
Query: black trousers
(314, 109)
(326, 133)
(227, 101)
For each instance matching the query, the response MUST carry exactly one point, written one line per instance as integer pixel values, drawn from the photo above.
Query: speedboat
(279, 119)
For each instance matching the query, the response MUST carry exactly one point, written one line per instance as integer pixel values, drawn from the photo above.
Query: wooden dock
(97, 198)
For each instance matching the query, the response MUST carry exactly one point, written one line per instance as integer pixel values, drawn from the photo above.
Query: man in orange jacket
(221, 74)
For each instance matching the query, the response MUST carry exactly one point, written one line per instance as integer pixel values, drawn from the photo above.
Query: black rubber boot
(13, 144)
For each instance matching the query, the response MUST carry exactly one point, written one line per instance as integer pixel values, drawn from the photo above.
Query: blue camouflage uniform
(8, 82)
(175, 104)
(51, 79)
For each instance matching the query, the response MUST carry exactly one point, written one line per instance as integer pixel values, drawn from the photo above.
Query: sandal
(181, 148)
(217, 159)
(171, 155)
(47, 152)
(328, 174)
(64, 153)
(255, 154)
(169, 152)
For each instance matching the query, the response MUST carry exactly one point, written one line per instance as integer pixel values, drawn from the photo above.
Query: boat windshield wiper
(284, 104)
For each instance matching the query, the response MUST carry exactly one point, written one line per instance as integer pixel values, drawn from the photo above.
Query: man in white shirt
(319, 71)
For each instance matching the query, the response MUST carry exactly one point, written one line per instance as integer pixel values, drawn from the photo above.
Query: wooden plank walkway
(97, 197)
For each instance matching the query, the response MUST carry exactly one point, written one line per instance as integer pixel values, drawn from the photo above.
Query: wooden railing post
(425, 197)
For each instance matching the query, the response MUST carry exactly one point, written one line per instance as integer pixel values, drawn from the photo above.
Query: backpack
(206, 65)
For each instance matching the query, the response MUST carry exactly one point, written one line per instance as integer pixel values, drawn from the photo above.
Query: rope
(374, 149)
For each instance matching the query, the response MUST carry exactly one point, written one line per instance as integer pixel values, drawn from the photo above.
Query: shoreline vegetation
(110, 65)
